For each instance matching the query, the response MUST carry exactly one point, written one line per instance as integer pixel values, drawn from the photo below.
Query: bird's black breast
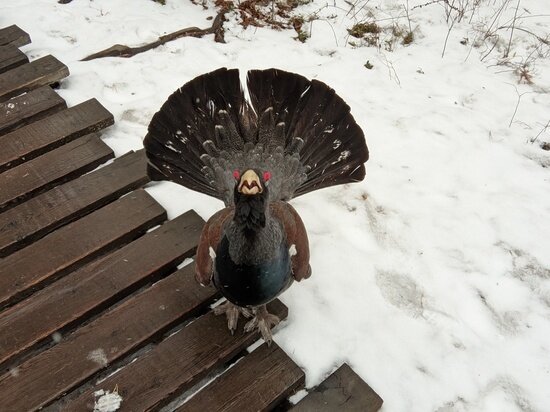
(251, 285)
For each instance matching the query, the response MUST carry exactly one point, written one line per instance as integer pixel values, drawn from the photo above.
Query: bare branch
(120, 50)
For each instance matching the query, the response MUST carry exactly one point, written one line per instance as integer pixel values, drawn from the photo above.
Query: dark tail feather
(298, 129)
(210, 108)
(334, 149)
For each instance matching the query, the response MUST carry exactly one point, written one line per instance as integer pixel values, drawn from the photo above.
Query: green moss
(359, 30)
(302, 36)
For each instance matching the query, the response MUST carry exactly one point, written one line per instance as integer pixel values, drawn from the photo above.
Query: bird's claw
(232, 312)
(263, 321)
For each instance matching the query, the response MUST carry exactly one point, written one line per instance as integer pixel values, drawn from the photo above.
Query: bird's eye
(236, 174)
(267, 176)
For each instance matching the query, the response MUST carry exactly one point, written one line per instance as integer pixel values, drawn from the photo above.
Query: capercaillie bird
(255, 150)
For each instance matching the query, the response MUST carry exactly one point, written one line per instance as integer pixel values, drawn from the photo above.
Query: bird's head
(250, 183)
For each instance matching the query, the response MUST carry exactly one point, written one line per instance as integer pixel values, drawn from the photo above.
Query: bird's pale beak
(250, 183)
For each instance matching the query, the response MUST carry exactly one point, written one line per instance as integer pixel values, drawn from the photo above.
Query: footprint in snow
(401, 291)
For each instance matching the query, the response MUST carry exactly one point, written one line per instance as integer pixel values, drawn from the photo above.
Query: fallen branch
(120, 50)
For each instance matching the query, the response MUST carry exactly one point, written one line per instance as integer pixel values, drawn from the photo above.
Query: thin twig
(512, 31)
(391, 69)
(447, 37)
(543, 130)
(517, 103)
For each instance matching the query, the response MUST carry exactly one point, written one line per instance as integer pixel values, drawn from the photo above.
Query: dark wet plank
(53, 131)
(136, 322)
(29, 107)
(31, 220)
(175, 364)
(97, 285)
(11, 57)
(13, 35)
(258, 382)
(41, 72)
(76, 244)
(344, 390)
(51, 169)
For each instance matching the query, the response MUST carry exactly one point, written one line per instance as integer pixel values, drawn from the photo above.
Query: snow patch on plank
(106, 401)
(98, 356)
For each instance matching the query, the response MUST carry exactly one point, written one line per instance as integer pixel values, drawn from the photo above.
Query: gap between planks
(175, 364)
(76, 244)
(98, 285)
(29, 107)
(41, 136)
(11, 57)
(258, 382)
(33, 219)
(41, 72)
(51, 169)
(117, 333)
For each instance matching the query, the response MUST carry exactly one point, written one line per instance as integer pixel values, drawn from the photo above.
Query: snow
(432, 277)
(98, 356)
(57, 337)
(106, 401)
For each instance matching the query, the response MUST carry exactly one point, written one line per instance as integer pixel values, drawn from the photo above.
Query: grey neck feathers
(253, 250)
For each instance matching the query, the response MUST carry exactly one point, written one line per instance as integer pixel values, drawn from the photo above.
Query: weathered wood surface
(76, 244)
(11, 57)
(138, 321)
(44, 172)
(13, 35)
(97, 285)
(38, 216)
(344, 390)
(258, 382)
(39, 137)
(41, 72)
(29, 107)
(175, 364)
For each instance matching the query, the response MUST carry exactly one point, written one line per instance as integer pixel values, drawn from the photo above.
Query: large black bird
(255, 150)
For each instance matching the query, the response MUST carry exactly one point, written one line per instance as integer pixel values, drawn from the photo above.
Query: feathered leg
(232, 312)
(263, 321)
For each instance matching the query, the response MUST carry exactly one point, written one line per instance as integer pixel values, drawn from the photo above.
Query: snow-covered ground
(432, 277)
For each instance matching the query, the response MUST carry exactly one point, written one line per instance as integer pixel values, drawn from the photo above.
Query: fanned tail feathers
(299, 130)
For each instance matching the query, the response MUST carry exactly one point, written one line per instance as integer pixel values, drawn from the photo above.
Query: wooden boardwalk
(93, 307)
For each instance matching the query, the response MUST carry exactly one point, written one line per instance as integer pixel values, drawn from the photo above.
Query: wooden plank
(37, 138)
(29, 107)
(259, 382)
(114, 334)
(343, 390)
(41, 72)
(14, 35)
(11, 57)
(38, 216)
(174, 365)
(60, 165)
(78, 243)
(97, 285)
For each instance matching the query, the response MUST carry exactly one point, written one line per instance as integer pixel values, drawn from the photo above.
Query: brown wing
(296, 235)
(210, 237)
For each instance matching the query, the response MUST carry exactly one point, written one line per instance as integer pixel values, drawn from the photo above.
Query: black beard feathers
(250, 212)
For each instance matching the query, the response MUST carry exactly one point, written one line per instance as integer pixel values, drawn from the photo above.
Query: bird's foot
(263, 321)
(232, 312)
